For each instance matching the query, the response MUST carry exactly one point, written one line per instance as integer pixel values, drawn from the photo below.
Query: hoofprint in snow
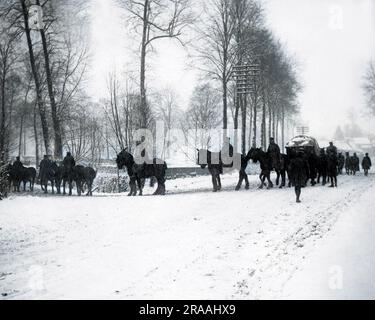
(189, 244)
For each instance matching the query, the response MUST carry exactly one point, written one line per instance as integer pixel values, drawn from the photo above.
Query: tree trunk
(264, 121)
(3, 114)
(143, 104)
(36, 138)
(255, 123)
(39, 96)
(250, 125)
(282, 127)
(269, 118)
(20, 136)
(235, 119)
(225, 102)
(243, 126)
(58, 148)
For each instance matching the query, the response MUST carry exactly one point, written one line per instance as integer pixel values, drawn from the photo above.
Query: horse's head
(253, 154)
(200, 161)
(124, 158)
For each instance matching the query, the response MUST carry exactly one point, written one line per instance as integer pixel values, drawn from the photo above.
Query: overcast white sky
(332, 41)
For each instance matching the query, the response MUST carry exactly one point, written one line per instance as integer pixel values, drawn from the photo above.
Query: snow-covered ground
(191, 243)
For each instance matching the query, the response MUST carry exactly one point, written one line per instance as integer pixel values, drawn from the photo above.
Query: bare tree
(37, 82)
(155, 20)
(217, 46)
(203, 114)
(167, 110)
(369, 86)
(8, 57)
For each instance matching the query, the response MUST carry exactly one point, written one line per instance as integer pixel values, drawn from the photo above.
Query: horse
(137, 172)
(28, 174)
(280, 166)
(257, 154)
(49, 174)
(64, 175)
(214, 163)
(332, 170)
(83, 175)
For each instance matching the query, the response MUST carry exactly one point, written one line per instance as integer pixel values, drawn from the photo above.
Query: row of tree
(43, 90)
(226, 33)
(42, 70)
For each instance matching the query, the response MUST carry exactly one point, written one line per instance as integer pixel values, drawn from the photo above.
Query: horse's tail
(165, 166)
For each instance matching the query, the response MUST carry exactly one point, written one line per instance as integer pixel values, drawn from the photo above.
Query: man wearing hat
(366, 164)
(69, 161)
(331, 150)
(17, 164)
(274, 152)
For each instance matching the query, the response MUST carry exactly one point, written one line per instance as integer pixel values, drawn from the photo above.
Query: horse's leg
(52, 186)
(240, 179)
(219, 181)
(283, 178)
(70, 183)
(214, 182)
(277, 177)
(247, 184)
(140, 183)
(162, 181)
(261, 178)
(270, 184)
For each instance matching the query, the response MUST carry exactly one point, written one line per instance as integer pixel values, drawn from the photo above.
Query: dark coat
(17, 165)
(274, 152)
(298, 172)
(355, 163)
(366, 163)
(331, 150)
(69, 162)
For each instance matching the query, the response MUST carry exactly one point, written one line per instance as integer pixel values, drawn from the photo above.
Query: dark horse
(281, 169)
(215, 167)
(83, 176)
(257, 154)
(28, 175)
(22, 174)
(139, 171)
(49, 174)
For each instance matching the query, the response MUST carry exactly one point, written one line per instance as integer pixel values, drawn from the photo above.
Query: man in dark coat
(347, 162)
(331, 150)
(355, 160)
(17, 165)
(274, 152)
(366, 164)
(298, 174)
(44, 166)
(69, 161)
(227, 147)
(341, 163)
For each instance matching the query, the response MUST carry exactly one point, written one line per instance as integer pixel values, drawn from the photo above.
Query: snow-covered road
(189, 244)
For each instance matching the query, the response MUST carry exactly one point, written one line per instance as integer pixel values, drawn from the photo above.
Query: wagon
(306, 144)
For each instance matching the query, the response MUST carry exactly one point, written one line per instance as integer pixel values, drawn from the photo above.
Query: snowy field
(191, 243)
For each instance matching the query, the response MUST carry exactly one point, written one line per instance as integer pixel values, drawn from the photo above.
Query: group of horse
(57, 175)
(320, 168)
(323, 168)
